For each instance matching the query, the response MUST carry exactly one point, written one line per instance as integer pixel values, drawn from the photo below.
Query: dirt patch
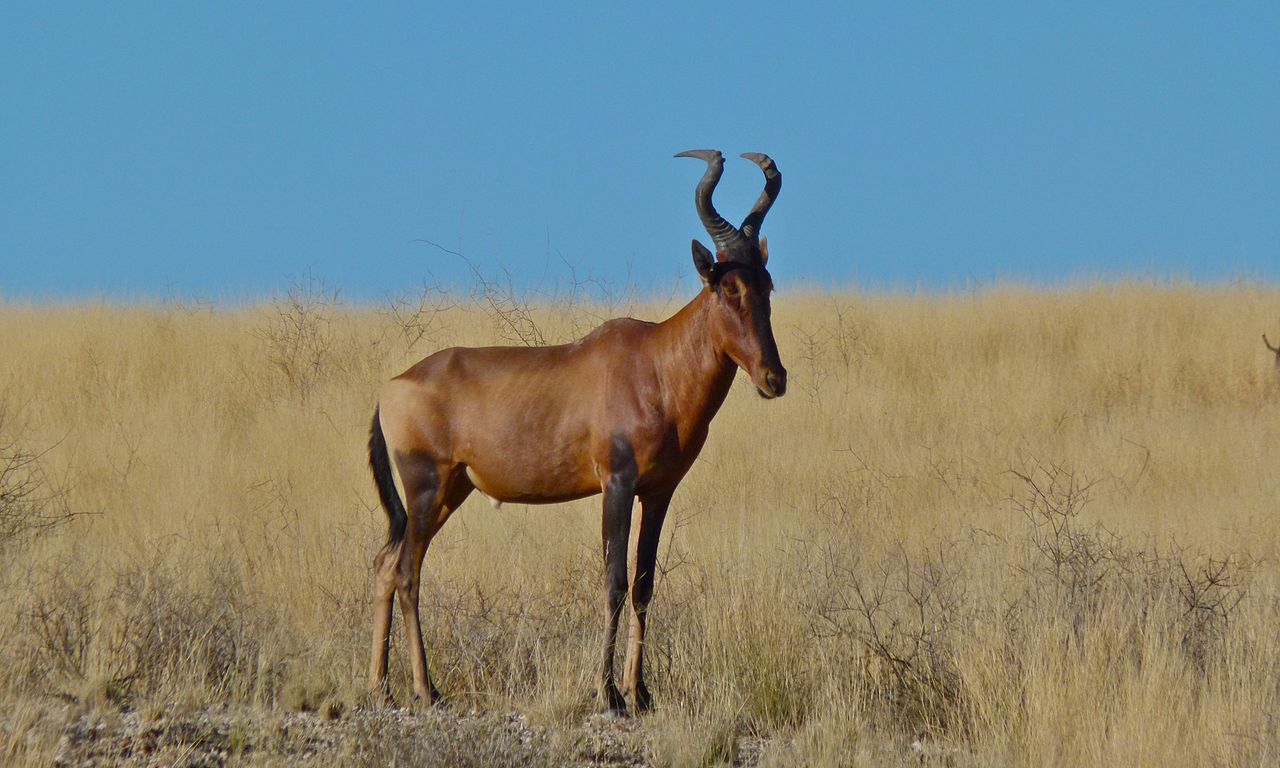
(241, 736)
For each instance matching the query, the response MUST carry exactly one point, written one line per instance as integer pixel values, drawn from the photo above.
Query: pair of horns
(735, 242)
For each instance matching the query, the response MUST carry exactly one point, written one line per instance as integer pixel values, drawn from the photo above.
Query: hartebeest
(622, 411)
(1276, 350)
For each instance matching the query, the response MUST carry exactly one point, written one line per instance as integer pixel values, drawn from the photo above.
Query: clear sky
(221, 150)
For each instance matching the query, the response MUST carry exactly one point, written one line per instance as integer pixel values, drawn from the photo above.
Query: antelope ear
(764, 251)
(703, 262)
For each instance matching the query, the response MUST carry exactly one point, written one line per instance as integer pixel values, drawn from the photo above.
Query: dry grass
(1013, 527)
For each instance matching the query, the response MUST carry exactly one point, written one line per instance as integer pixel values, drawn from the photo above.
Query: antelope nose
(777, 382)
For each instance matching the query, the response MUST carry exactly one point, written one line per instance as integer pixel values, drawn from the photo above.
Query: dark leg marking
(653, 511)
(434, 495)
(619, 496)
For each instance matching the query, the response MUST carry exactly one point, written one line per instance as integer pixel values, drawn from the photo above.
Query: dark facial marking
(750, 276)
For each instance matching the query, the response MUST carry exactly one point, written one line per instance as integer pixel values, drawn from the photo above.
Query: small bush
(301, 337)
(29, 499)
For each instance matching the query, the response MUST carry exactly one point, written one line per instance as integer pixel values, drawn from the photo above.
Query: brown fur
(623, 411)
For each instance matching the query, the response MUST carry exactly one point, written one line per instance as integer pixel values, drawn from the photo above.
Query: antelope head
(736, 277)
(1276, 350)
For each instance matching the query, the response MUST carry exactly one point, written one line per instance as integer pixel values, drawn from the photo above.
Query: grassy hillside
(1016, 526)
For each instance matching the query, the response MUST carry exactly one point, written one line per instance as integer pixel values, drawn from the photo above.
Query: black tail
(380, 463)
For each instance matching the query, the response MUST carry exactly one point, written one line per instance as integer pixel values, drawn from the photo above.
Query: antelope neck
(699, 370)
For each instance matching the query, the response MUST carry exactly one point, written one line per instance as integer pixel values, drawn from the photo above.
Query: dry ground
(1013, 527)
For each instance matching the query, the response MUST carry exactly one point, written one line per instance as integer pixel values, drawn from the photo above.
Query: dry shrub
(892, 620)
(511, 313)
(506, 638)
(30, 500)
(300, 336)
(415, 318)
(1082, 573)
(310, 343)
(915, 617)
(143, 628)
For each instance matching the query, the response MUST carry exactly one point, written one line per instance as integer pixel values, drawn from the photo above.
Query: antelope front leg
(619, 494)
(653, 510)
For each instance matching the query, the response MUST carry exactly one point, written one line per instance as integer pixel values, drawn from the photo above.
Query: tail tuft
(380, 463)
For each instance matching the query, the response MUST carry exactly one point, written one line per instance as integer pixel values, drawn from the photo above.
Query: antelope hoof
(379, 698)
(641, 701)
(611, 704)
(613, 713)
(428, 700)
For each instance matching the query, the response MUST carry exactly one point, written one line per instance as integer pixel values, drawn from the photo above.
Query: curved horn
(724, 234)
(772, 183)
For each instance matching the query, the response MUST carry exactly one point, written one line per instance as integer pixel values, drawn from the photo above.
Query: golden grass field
(1017, 526)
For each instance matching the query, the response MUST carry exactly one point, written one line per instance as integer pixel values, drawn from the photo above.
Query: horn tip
(709, 155)
(759, 158)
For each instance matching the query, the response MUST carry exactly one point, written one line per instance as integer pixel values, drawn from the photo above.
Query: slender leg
(384, 590)
(398, 568)
(408, 579)
(619, 495)
(456, 488)
(653, 510)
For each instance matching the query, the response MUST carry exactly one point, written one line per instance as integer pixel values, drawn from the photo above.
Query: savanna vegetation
(1017, 526)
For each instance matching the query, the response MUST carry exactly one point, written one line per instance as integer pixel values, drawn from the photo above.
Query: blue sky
(222, 150)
